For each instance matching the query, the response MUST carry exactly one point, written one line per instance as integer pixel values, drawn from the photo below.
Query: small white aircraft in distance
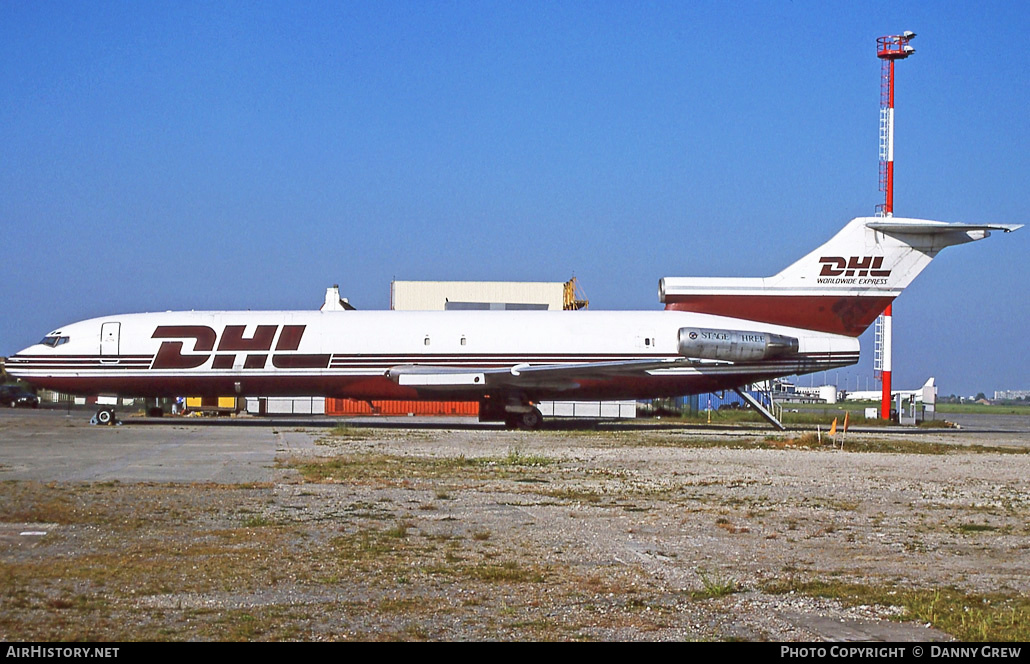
(919, 394)
(714, 334)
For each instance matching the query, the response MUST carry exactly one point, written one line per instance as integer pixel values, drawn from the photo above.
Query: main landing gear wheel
(531, 419)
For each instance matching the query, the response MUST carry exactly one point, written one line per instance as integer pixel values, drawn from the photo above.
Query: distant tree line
(1018, 401)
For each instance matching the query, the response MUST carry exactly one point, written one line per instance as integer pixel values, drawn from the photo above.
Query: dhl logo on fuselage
(256, 348)
(855, 266)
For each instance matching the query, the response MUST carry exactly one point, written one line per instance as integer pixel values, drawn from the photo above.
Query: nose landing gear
(104, 416)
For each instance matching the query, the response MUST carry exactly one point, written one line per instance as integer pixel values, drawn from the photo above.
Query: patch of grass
(967, 617)
(797, 441)
(344, 431)
(908, 446)
(715, 585)
(364, 467)
(375, 466)
(176, 572)
(518, 458)
(974, 528)
(401, 605)
(242, 559)
(370, 546)
(31, 502)
(935, 424)
(81, 603)
(575, 495)
(505, 572)
(257, 521)
(808, 441)
(400, 531)
(838, 504)
(726, 525)
(822, 416)
(982, 409)
(257, 623)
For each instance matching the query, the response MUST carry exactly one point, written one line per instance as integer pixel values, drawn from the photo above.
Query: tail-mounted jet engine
(734, 345)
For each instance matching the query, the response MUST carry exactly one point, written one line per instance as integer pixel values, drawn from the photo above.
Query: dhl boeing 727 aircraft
(714, 334)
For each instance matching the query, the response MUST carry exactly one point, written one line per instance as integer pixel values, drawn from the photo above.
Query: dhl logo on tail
(855, 266)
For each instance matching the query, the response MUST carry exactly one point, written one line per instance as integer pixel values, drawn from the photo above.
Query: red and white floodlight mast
(889, 49)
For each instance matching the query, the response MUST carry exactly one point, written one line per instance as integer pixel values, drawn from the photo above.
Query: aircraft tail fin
(841, 287)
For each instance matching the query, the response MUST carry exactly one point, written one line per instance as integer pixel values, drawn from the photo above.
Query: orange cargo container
(355, 407)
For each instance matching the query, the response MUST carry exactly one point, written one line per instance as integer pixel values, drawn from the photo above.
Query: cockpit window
(54, 341)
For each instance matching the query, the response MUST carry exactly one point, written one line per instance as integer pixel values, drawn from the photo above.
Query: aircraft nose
(31, 350)
(34, 349)
(21, 364)
(16, 363)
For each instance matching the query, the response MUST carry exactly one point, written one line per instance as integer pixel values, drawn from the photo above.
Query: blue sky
(222, 155)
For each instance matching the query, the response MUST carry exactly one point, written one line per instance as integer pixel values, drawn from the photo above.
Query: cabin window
(426, 342)
(463, 341)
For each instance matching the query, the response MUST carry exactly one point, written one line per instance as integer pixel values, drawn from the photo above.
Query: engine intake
(733, 345)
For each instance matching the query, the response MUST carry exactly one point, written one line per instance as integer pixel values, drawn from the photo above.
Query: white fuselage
(349, 353)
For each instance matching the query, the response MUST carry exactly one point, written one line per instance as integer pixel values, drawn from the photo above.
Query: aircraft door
(110, 340)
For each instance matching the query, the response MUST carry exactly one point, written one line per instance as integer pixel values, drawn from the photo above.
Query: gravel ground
(382, 532)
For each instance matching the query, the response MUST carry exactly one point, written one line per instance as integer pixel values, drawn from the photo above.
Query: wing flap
(442, 377)
(552, 376)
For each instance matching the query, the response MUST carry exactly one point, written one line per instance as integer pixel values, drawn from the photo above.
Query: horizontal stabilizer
(936, 227)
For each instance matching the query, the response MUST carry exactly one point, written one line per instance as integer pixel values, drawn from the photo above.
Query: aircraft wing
(552, 376)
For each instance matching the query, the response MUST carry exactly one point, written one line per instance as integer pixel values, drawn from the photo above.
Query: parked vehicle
(14, 396)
